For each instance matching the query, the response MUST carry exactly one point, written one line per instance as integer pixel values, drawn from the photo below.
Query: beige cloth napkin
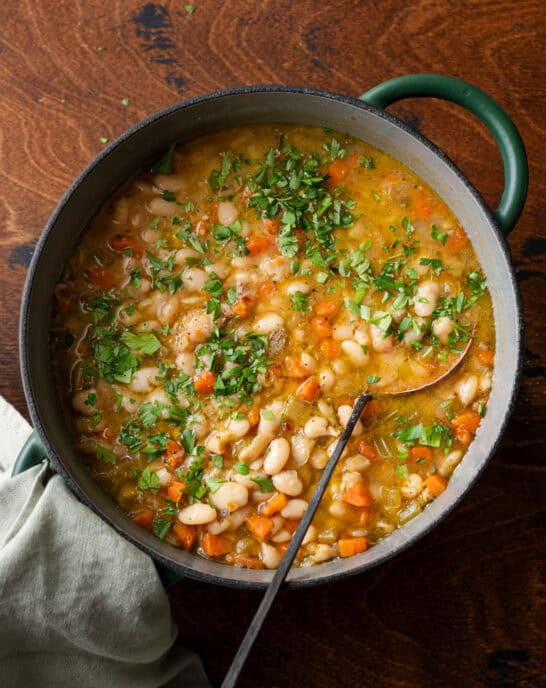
(79, 605)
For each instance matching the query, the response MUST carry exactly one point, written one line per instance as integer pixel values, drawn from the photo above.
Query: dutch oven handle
(33, 453)
(488, 111)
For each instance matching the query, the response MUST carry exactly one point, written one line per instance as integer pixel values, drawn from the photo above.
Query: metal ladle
(230, 679)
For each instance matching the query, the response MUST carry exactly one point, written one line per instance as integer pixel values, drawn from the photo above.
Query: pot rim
(25, 363)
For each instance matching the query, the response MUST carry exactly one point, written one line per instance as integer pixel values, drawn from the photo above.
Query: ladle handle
(488, 111)
(253, 630)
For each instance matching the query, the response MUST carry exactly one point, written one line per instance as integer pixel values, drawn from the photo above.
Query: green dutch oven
(365, 119)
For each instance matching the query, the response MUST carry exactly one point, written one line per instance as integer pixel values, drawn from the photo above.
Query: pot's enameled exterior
(185, 121)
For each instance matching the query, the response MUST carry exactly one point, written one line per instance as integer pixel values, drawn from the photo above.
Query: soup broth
(219, 317)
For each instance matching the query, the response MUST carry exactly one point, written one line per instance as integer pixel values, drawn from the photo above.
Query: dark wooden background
(467, 605)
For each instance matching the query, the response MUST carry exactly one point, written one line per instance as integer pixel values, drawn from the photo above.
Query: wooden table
(467, 605)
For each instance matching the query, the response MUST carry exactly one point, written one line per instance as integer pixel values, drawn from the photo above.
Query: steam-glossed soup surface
(219, 317)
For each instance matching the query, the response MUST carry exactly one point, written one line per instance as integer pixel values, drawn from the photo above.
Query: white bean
(308, 362)
(350, 479)
(277, 455)
(169, 182)
(298, 286)
(164, 476)
(230, 496)
(281, 536)
(357, 462)
(318, 458)
(167, 309)
(79, 405)
(183, 254)
(301, 448)
(159, 206)
(194, 279)
(467, 389)
(317, 426)
(197, 514)
(268, 323)
(447, 464)
(327, 379)
(185, 361)
(416, 332)
(198, 326)
(219, 269)
(144, 379)
(322, 552)
(288, 483)
(339, 510)
(344, 413)
(341, 332)
(362, 335)
(271, 556)
(310, 535)
(355, 352)
(411, 486)
(442, 328)
(294, 509)
(379, 341)
(234, 430)
(227, 213)
(426, 298)
(218, 526)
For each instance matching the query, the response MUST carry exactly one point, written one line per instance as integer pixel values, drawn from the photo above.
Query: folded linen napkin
(79, 605)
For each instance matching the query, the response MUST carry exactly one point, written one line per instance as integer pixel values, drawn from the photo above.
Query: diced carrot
(348, 547)
(176, 490)
(249, 562)
(486, 357)
(337, 171)
(272, 225)
(359, 495)
(259, 526)
(64, 303)
(295, 367)
(327, 308)
(456, 241)
(174, 454)
(101, 277)
(291, 525)
(265, 288)
(469, 420)
(144, 519)
(205, 383)
(253, 417)
(276, 370)
(309, 390)
(420, 452)
(242, 309)
(422, 202)
(370, 409)
(364, 516)
(366, 448)
(436, 484)
(330, 348)
(215, 545)
(321, 327)
(186, 535)
(124, 242)
(283, 546)
(463, 435)
(257, 244)
(274, 504)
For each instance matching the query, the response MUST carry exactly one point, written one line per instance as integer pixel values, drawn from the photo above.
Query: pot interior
(187, 121)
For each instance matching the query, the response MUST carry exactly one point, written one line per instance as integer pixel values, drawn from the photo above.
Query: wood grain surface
(467, 605)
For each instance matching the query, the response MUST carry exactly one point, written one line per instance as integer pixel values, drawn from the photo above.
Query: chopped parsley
(300, 302)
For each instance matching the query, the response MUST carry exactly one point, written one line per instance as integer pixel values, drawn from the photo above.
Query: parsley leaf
(147, 342)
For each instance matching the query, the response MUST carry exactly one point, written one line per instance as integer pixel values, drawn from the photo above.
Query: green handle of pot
(33, 453)
(488, 111)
